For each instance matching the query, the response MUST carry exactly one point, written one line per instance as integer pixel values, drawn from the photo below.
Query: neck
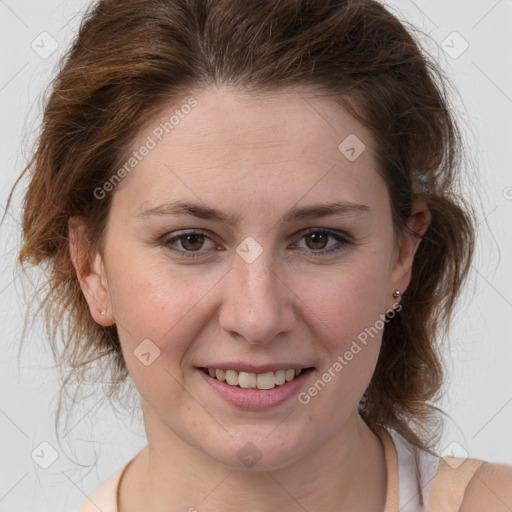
(171, 475)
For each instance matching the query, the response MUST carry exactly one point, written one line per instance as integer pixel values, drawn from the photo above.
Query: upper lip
(252, 368)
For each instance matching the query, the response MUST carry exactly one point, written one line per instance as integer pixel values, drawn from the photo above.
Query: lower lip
(254, 399)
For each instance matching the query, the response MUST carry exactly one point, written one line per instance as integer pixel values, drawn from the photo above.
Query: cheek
(347, 299)
(155, 300)
(156, 313)
(347, 309)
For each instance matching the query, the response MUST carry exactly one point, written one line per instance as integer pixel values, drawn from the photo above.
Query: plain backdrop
(472, 41)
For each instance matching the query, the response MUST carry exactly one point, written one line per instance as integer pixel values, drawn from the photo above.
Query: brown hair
(132, 56)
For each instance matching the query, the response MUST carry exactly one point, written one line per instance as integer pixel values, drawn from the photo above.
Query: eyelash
(343, 243)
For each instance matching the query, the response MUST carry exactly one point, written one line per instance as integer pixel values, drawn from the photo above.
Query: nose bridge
(255, 304)
(258, 276)
(254, 265)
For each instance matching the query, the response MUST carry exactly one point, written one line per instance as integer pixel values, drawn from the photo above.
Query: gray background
(97, 442)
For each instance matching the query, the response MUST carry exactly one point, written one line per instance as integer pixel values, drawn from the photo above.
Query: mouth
(255, 381)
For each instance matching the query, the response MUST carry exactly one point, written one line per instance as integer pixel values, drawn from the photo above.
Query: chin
(261, 452)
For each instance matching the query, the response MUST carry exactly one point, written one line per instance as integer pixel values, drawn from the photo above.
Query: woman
(249, 208)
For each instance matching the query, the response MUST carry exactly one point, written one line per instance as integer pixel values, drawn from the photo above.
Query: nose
(257, 304)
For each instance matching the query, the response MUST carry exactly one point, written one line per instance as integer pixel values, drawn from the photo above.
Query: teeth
(232, 377)
(247, 380)
(280, 377)
(266, 380)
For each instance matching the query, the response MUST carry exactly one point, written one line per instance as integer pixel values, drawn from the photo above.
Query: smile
(246, 380)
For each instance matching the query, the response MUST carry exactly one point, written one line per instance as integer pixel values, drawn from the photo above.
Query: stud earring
(396, 294)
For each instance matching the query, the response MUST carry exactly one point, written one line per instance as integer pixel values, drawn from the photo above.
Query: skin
(256, 157)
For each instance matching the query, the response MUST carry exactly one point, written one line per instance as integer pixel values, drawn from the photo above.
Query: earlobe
(90, 271)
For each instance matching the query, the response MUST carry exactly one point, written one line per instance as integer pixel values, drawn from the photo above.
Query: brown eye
(192, 242)
(318, 240)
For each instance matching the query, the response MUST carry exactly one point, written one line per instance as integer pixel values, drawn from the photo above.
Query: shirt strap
(452, 478)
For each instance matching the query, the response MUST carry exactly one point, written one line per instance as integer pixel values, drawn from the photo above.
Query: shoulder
(103, 497)
(490, 489)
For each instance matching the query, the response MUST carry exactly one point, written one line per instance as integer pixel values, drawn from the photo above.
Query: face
(258, 276)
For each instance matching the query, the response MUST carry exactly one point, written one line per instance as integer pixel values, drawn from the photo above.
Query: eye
(317, 240)
(190, 241)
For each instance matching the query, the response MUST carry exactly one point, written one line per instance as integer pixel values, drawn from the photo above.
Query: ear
(90, 271)
(407, 245)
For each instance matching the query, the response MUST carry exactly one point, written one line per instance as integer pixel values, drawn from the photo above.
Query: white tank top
(416, 478)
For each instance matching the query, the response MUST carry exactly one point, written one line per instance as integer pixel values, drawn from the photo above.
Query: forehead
(272, 145)
(245, 121)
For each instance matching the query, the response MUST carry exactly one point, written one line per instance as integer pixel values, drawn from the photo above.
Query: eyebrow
(180, 208)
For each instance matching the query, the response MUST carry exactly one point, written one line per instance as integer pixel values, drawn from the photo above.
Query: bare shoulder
(490, 489)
